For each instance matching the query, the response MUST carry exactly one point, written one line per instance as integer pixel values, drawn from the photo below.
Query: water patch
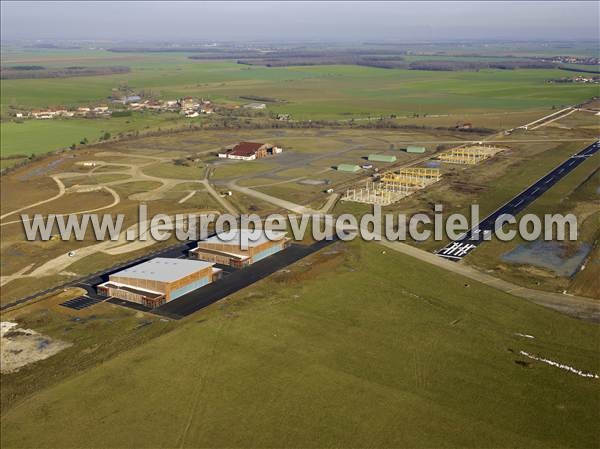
(554, 256)
(314, 182)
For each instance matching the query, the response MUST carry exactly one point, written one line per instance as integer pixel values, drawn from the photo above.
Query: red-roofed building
(250, 151)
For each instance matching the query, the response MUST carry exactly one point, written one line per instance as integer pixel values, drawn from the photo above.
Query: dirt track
(61, 192)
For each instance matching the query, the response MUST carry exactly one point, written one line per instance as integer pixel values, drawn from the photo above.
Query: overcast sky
(285, 21)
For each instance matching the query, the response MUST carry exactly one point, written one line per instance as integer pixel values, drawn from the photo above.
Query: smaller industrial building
(349, 168)
(415, 149)
(226, 248)
(160, 280)
(381, 158)
(249, 151)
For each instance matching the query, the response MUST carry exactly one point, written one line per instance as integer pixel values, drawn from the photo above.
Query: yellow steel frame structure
(411, 177)
(468, 155)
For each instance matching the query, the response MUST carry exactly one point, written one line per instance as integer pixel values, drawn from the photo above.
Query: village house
(188, 103)
(48, 113)
(153, 105)
(207, 109)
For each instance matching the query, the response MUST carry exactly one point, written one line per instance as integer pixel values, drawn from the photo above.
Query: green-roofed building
(381, 158)
(350, 168)
(415, 149)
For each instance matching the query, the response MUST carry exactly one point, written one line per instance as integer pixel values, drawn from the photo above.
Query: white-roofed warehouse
(159, 280)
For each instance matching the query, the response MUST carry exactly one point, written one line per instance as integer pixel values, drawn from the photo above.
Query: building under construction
(373, 193)
(393, 186)
(410, 177)
(468, 155)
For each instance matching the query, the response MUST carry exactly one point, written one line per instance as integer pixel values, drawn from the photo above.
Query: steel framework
(468, 155)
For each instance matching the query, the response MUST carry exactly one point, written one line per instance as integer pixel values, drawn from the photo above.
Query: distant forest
(36, 71)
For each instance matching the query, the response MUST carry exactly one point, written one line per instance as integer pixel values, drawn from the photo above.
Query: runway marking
(459, 248)
(456, 250)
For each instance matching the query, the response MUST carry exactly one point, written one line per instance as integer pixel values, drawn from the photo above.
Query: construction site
(393, 186)
(470, 155)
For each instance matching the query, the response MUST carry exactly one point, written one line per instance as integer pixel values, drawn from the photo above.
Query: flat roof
(164, 269)
(253, 237)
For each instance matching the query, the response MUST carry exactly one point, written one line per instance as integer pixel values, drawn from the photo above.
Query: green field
(311, 92)
(41, 136)
(318, 91)
(333, 354)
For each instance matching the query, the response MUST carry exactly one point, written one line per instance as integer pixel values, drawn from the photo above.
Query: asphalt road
(232, 281)
(237, 280)
(89, 282)
(487, 227)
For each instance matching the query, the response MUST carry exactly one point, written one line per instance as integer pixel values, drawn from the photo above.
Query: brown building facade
(228, 249)
(159, 280)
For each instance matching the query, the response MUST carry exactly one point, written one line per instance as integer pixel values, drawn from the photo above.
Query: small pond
(555, 256)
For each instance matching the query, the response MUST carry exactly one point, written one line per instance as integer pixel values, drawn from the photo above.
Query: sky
(432, 21)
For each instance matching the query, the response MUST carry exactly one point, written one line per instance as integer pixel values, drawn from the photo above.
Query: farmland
(338, 92)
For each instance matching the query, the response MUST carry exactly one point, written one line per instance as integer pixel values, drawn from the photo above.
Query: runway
(461, 247)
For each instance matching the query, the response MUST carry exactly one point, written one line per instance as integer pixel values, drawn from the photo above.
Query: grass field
(332, 354)
(314, 92)
(355, 346)
(41, 136)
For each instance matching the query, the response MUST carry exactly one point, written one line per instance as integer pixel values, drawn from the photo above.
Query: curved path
(61, 192)
(116, 200)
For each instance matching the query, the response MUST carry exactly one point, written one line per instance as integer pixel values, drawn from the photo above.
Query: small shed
(381, 158)
(348, 168)
(415, 149)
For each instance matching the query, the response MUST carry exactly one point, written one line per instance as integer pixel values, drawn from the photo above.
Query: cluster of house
(187, 106)
(249, 151)
(586, 60)
(40, 114)
(578, 79)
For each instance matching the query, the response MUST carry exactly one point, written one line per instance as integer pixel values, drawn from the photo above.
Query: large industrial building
(226, 248)
(159, 280)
